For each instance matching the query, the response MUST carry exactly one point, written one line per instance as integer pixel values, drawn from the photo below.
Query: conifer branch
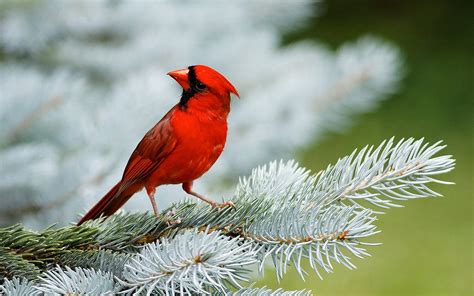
(268, 292)
(172, 265)
(282, 212)
(77, 282)
(18, 286)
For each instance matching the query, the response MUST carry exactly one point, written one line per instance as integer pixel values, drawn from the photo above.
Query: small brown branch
(322, 237)
(47, 106)
(345, 86)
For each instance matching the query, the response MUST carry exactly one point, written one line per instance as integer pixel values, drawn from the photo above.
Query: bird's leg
(187, 187)
(151, 195)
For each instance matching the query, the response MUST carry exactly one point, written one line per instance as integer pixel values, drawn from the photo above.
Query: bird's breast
(200, 142)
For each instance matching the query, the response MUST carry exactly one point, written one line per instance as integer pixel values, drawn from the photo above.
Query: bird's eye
(200, 86)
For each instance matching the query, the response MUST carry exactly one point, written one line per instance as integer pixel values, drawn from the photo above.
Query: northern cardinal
(182, 146)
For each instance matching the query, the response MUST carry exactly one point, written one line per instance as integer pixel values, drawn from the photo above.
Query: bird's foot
(170, 213)
(173, 222)
(223, 205)
(168, 218)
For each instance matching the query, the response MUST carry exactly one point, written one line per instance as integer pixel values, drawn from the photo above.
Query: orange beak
(181, 76)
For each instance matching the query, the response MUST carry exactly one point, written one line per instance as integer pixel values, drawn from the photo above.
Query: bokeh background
(317, 80)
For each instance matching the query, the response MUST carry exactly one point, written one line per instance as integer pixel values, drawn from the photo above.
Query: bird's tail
(110, 203)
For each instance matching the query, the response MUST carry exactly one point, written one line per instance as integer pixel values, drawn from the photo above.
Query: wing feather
(155, 146)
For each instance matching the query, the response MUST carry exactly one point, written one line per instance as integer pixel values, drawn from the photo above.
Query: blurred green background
(427, 246)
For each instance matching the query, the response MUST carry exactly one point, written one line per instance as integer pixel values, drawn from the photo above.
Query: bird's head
(203, 83)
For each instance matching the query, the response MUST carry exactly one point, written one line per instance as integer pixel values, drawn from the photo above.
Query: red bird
(182, 146)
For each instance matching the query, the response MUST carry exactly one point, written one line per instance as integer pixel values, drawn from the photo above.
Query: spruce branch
(190, 263)
(77, 281)
(13, 265)
(267, 292)
(104, 260)
(282, 212)
(121, 231)
(392, 172)
(317, 236)
(310, 216)
(18, 287)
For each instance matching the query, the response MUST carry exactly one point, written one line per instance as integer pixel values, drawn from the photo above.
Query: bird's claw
(223, 205)
(168, 218)
(173, 222)
(170, 213)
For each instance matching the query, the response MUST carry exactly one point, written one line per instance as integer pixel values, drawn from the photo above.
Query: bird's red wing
(155, 146)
